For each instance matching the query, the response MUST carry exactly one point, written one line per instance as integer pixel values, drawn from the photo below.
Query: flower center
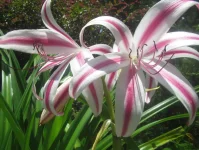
(136, 60)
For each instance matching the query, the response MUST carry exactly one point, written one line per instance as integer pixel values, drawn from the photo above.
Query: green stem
(109, 102)
(117, 145)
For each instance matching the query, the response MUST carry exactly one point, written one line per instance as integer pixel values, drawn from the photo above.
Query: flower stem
(116, 140)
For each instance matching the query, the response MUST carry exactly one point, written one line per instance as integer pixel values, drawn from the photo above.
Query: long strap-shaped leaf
(12, 120)
(6, 89)
(55, 130)
(146, 127)
(76, 127)
(163, 139)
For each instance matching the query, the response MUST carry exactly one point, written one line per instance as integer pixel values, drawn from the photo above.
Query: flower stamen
(40, 49)
(152, 89)
(130, 53)
(157, 62)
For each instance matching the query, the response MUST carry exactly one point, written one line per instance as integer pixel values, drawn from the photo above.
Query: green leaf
(131, 145)
(12, 120)
(146, 127)
(28, 133)
(56, 129)
(163, 139)
(6, 89)
(25, 101)
(76, 127)
(105, 143)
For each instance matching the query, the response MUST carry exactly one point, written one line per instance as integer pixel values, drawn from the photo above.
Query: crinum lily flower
(147, 51)
(55, 40)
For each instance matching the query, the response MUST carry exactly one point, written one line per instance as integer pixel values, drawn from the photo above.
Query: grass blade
(12, 120)
(163, 139)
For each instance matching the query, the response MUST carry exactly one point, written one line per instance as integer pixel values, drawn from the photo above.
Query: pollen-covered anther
(152, 89)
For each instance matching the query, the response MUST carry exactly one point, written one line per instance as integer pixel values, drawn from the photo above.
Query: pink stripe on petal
(51, 83)
(80, 58)
(122, 33)
(92, 70)
(149, 86)
(60, 99)
(100, 50)
(32, 41)
(48, 66)
(158, 20)
(53, 26)
(178, 51)
(129, 101)
(94, 95)
(185, 93)
(110, 79)
(160, 45)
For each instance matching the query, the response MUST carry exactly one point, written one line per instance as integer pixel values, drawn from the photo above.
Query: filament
(42, 53)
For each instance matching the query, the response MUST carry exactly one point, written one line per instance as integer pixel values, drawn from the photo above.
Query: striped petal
(174, 40)
(100, 49)
(95, 69)
(52, 63)
(111, 79)
(159, 19)
(181, 52)
(61, 98)
(129, 100)
(151, 84)
(50, 22)
(177, 84)
(47, 66)
(52, 84)
(93, 93)
(27, 40)
(122, 34)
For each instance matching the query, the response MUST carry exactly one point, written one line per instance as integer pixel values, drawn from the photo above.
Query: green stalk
(117, 144)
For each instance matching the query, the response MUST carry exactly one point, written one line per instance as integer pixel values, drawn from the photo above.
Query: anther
(152, 89)
(164, 50)
(130, 53)
(155, 46)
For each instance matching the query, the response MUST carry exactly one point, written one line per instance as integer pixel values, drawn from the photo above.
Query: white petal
(111, 79)
(122, 34)
(100, 49)
(151, 83)
(159, 19)
(173, 40)
(52, 84)
(93, 93)
(176, 83)
(180, 52)
(50, 22)
(129, 100)
(61, 98)
(27, 40)
(95, 69)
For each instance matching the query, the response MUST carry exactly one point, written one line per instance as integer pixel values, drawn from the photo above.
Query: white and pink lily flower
(148, 51)
(55, 40)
